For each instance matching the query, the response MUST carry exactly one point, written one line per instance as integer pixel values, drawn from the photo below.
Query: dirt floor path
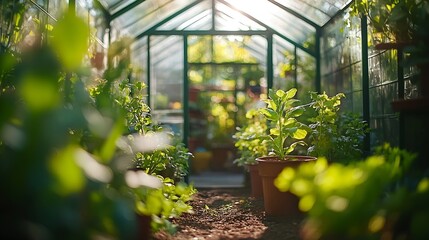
(231, 214)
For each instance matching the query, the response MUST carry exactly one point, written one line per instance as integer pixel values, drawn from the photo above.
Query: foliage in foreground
(65, 150)
(370, 199)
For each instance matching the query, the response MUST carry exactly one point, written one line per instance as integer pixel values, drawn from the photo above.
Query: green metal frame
(126, 9)
(268, 33)
(185, 91)
(365, 80)
(297, 15)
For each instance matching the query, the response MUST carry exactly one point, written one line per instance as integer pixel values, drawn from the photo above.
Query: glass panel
(139, 60)
(319, 12)
(167, 81)
(115, 5)
(283, 64)
(313, 13)
(230, 49)
(257, 47)
(277, 19)
(306, 75)
(57, 7)
(357, 76)
(198, 17)
(357, 102)
(293, 68)
(230, 19)
(385, 130)
(201, 49)
(341, 59)
(146, 15)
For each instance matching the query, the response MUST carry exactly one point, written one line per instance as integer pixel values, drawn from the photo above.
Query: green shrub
(335, 135)
(361, 200)
(249, 139)
(62, 166)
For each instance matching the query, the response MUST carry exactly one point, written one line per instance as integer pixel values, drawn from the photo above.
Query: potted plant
(335, 135)
(250, 144)
(404, 25)
(285, 134)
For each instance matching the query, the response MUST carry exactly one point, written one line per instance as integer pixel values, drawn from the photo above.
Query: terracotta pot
(97, 61)
(220, 157)
(201, 161)
(255, 181)
(144, 231)
(278, 203)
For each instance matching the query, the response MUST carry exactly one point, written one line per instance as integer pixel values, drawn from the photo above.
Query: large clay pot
(278, 203)
(201, 161)
(220, 157)
(255, 181)
(144, 230)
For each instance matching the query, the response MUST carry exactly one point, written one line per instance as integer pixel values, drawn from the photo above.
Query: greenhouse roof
(296, 21)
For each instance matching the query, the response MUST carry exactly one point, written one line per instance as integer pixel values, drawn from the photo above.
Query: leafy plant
(351, 201)
(60, 145)
(336, 136)
(249, 139)
(130, 96)
(400, 21)
(171, 161)
(395, 19)
(281, 115)
(169, 201)
(11, 23)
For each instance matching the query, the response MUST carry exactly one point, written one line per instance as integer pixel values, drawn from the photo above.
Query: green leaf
(109, 147)
(296, 112)
(274, 132)
(40, 93)
(271, 104)
(293, 146)
(69, 176)
(270, 114)
(280, 93)
(299, 134)
(70, 40)
(291, 93)
(289, 122)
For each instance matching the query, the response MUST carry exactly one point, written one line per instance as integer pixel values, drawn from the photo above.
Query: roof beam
(295, 14)
(341, 11)
(126, 9)
(147, 32)
(153, 31)
(272, 30)
(106, 13)
(208, 32)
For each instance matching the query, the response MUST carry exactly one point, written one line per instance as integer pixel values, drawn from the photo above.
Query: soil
(231, 214)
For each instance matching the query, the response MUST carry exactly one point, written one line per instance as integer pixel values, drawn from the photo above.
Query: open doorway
(219, 77)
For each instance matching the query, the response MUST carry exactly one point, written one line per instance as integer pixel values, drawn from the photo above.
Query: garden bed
(231, 214)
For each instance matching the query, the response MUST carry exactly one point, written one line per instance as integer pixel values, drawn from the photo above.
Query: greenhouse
(158, 119)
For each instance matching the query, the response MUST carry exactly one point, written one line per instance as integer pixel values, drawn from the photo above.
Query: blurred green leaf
(70, 178)
(40, 93)
(70, 40)
(109, 147)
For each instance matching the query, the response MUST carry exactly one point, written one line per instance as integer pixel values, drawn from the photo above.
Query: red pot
(278, 203)
(255, 181)
(144, 231)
